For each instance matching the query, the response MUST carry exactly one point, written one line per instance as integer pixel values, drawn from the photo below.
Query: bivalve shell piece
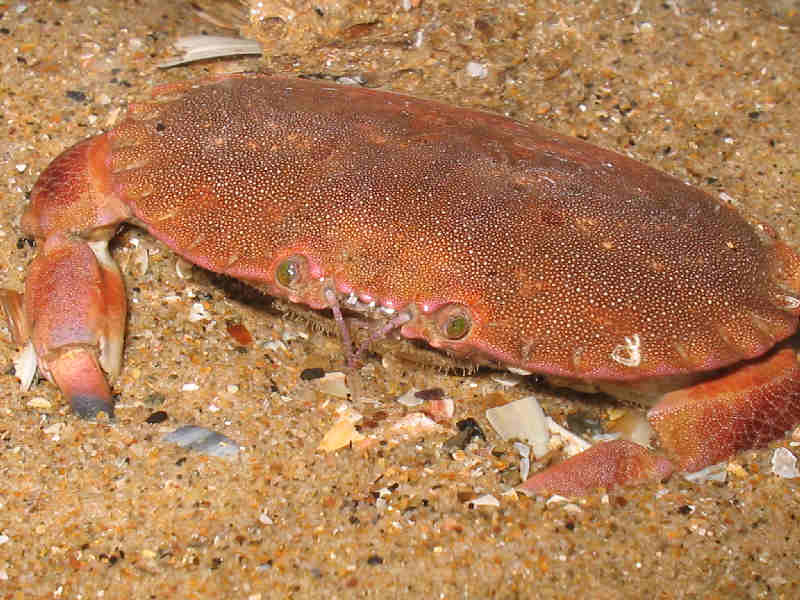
(524, 420)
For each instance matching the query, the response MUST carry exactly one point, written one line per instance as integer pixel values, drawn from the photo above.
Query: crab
(494, 241)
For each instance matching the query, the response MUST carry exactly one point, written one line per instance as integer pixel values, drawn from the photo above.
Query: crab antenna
(344, 332)
(398, 321)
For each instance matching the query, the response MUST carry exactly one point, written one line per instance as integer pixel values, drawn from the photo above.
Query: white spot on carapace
(789, 302)
(628, 354)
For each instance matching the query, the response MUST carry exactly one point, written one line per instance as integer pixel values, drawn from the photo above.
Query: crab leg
(698, 426)
(748, 407)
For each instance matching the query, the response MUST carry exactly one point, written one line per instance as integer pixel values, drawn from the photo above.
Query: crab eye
(288, 271)
(456, 324)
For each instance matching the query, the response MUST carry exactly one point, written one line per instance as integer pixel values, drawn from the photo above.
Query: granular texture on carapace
(570, 259)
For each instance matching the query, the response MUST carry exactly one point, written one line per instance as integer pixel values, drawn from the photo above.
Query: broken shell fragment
(415, 425)
(202, 440)
(342, 433)
(333, 384)
(25, 366)
(524, 420)
(410, 398)
(784, 463)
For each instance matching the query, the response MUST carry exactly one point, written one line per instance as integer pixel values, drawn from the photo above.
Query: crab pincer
(491, 240)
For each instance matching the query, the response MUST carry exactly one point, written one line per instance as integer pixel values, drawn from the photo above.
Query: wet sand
(708, 92)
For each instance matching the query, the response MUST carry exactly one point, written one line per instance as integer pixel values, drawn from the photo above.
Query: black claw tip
(88, 407)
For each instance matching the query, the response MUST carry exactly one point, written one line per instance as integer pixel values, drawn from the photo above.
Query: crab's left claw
(73, 313)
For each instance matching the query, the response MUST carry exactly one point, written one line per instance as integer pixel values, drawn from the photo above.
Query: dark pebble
(471, 425)
(468, 431)
(375, 560)
(157, 417)
(309, 374)
(76, 95)
(431, 394)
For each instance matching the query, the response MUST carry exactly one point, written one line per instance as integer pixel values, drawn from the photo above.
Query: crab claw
(74, 312)
(745, 408)
(606, 465)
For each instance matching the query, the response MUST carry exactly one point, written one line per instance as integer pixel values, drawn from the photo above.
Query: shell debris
(25, 366)
(416, 424)
(522, 419)
(717, 472)
(573, 444)
(343, 432)
(333, 384)
(203, 47)
(784, 463)
(203, 440)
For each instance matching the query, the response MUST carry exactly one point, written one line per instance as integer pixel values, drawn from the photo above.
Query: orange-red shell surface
(570, 259)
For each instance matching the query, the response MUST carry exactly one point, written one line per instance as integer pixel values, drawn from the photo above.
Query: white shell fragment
(416, 424)
(523, 419)
(573, 444)
(784, 463)
(717, 472)
(203, 47)
(333, 384)
(485, 500)
(508, 380)
(343, 432)
(410, 398)
(39, 402)
(25, 366)
(204, 441)
(198, 312)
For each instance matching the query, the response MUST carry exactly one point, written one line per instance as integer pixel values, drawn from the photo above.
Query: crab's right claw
(73, 311)
(605, 465)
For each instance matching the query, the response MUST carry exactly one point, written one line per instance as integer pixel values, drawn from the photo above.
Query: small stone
(240, 333)
(468, 430)
(76, 95)
(190, 387)
(375, 560)
(430, 394)
(313, 373)
(21, 167)
(157, 417)
(477, 70)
